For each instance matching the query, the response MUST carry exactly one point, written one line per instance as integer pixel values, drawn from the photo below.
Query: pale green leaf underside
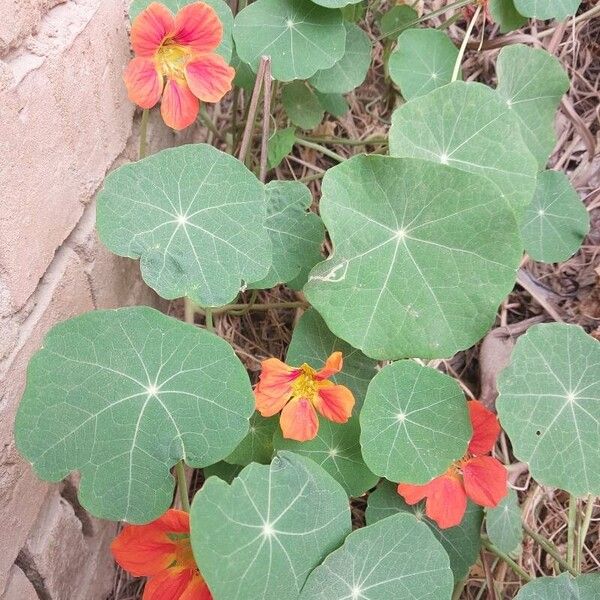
(222, 9)
(556, 221)
(547, 9)
(503, 524)
(337, 449)
(300, 37)
(260, 537)
(549, 405)
(462, 543)
(313, 343)
(121, 396)
(531, 83)
(584, 587)
(467, 126)
(194, 216)
(301, 105)
(506, 15)
(397, 557)
(414, 423)
(257, 446)
(296, 233)
(422, 61)
(335, 3)
(349, 72)
(416, 245)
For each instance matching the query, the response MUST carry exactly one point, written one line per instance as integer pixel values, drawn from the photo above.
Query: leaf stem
(182, 486)
(373, 141)
(507, 559)
(144, 132)
(208, 122)
(239, 307)
(321, 149)
(188, 310)
(208, 315)
(571, 526)
(585, 525)
(549, 547)
(463, 46)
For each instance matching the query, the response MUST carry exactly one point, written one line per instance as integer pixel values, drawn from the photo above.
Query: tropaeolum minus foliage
(421, 252)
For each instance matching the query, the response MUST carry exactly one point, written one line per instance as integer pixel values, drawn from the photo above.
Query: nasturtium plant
(556, 221)
(506, 15)
(296, 233)
(280, 145)
(532, 82)
(462, 543)
(422, 61)
(549, 405)
(223, 470)
(121, 396)
(395, 20)
(547, 9)
(300, 37)
(261, 536)
(337, 449)
(301, 105)
(503, 524)
(335, 3)
(397, 557)
(414, 423)
(397, 220)
(257, 446)
(467, 126)
(564, 587)
(334, 104)
(349, 72)
(195, 218)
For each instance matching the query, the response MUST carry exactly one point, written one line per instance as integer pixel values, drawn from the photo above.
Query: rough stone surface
(18, 586)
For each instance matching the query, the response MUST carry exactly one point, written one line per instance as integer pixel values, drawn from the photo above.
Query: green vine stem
(571, 528)
(144, 133)
(507, 559)
(321, 149)
(372, 141)
(585, 525)
(247, 308)
(188, 310)
(549, 547)
(182, 486)
(463, 46)
(208, 315)
(208, 122)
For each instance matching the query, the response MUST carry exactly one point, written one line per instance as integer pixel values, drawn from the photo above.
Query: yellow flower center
(171, 59)
(305, 385)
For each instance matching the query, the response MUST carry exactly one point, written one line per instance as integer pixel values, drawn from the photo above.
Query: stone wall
(64, 122)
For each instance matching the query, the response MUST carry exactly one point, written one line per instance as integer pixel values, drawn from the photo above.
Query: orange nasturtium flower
(477, 476)
(299, 393)
(162, 551)
(175, 59)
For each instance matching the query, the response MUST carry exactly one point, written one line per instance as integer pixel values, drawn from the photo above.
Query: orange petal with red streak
(446, 501)
(170, 584)
(209, 77)
(143, 82)
(413, 493)
(198, 26)
(485, 428)
(334, 402)
(299, 420)
(179, 107)
(274, 387)
(333, 365)
(485, 480)
(150, 28)
(197, 590)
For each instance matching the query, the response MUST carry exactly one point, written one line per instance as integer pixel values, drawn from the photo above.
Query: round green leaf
(313, 343)
(467, 126)
(280, 145)
(395, 20)
(300, 37)
(296, 233)
(349, 72)
(422, 61)
(556, 221)
(261, 536)
(257, 446)
(503, 524)
(223, 470)
(419, 264)
(549, 405)
(547, 9)
(245, 77)
(337, 449)
(334, 104)
(397, 557)
(506, 15)
(584, 587)
(301, 105)
(531, 83)
(462, 543)
(221, 8)
(414, 423)
(121, 396)
(194, 215)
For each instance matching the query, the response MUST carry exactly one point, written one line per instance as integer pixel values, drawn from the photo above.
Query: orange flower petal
(274, 388)
(174, 521)
(179, 107)
(299, 420)
(334, 402)
(332, 366)
(413, 493)
(485, 428)
(446, 501)
(485, 480)
(143, 550)
(169, 584)
(198, 26)
(150, 28)
(209, 77)
(196, 590)
(143, 82)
